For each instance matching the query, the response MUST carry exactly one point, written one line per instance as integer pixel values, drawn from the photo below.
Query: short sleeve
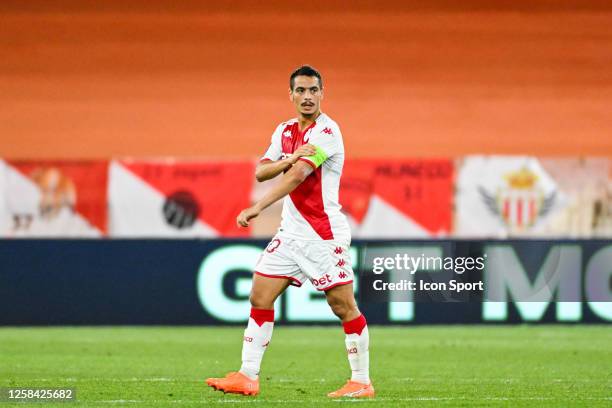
(274, 151)
(326, 141)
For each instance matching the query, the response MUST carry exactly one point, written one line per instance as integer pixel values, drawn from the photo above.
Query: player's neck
(306, 120)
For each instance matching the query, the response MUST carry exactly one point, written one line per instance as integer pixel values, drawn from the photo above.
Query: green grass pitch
(555, 366)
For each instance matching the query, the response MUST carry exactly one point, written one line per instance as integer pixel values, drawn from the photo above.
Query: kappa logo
(248, 339)
(322, 281)
(287, 133)
(352, 350)
(327, 131)
(342, 275)
(341, 262)
(338, 250)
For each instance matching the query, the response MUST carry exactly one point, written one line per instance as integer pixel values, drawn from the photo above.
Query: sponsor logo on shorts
(342, 275)
(322, 281)
(341, 262)
(338, 250)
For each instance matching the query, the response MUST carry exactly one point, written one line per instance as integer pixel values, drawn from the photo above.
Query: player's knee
(339, 310)
(261, 301)
(340, 307)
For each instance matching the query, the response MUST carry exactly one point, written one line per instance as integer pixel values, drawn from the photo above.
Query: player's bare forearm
(293, 178)
(270, 169)
(288, 183)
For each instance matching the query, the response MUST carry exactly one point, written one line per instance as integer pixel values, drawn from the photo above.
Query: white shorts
(325, 263)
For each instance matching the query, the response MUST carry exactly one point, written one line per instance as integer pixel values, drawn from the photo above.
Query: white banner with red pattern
(398, 198)
(486, 196)
(46, 198)
(178, 199)
(505, 196)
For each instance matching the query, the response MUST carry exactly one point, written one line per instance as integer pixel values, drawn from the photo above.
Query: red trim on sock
(355, 326)
(262, 315)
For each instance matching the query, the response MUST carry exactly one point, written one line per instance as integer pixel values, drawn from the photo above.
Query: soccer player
(313, 239)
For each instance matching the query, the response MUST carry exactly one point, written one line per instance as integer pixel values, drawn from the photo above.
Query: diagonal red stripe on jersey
(308, 196)
(308, 199)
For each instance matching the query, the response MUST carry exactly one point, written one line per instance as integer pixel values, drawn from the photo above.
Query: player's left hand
(246, 215)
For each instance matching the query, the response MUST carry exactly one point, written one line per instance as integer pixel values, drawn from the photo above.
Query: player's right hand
(245, 215)
(303, 151)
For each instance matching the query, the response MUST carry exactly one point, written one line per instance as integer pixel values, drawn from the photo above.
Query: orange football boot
(235, 383)
(354, 389)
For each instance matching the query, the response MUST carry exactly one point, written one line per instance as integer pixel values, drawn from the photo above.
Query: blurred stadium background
(137, 125)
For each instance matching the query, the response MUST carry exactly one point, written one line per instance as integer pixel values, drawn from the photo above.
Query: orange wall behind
(82, 80)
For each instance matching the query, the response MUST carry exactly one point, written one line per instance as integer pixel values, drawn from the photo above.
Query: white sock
(257, 336)
(357, 347)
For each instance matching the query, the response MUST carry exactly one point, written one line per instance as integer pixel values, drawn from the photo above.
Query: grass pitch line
(391, 399)
(259, 400)
(132, 379)
(410, 365)
(496, 380)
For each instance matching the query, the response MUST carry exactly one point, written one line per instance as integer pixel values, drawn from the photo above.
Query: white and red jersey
(312, 210)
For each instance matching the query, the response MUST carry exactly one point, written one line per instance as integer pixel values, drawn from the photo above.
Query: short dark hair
(305, 70)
